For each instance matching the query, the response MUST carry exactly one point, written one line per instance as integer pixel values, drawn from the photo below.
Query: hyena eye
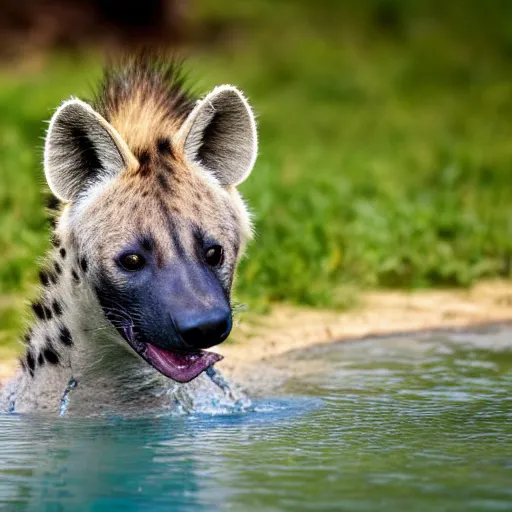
(132, 262)
(214, 256)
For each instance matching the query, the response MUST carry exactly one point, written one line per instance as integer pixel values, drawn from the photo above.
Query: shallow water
(405, 423)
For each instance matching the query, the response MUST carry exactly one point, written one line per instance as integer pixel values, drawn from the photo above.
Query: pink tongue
(180, 366)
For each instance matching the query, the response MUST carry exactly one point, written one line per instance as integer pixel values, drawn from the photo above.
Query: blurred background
(385, 125)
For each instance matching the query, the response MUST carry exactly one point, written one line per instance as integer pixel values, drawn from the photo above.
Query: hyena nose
(206, 329)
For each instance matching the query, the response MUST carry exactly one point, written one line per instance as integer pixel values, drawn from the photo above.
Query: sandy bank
(289, 328)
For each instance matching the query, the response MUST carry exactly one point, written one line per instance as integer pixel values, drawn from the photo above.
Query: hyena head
(152, 214)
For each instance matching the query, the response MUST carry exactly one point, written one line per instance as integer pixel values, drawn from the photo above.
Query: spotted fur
(146, 165)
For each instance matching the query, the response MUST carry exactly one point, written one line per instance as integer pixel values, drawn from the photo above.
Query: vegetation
(386, 144)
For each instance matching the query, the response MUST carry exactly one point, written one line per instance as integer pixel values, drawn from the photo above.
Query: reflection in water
(402, 423)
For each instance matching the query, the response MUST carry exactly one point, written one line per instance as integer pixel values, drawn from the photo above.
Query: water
(403, 423)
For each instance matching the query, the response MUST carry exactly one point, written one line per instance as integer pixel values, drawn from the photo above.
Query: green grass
(386, 145)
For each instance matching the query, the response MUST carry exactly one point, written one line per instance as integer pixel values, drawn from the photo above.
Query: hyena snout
(204, 329)
(193, 304)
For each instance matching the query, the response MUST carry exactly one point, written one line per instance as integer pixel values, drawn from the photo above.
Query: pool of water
(419, 422)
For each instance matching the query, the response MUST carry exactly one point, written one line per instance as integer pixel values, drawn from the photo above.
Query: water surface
(419, 422)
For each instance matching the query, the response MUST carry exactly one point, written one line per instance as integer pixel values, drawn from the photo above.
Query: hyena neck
(72, 341)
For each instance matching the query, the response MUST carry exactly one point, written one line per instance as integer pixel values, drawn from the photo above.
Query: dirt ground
(288, 328)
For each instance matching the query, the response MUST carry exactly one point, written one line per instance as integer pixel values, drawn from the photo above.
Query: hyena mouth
(177, 365)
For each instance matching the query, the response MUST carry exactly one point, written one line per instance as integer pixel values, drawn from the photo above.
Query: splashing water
(210, 394)
(64, 401)
(239, 401)
(201, 397)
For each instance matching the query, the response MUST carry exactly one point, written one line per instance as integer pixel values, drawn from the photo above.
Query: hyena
(146, 243)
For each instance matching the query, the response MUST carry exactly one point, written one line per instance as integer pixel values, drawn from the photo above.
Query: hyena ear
(81, 148)
(220, 134)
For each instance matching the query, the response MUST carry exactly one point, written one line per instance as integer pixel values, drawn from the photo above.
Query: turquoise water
(404, 423)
